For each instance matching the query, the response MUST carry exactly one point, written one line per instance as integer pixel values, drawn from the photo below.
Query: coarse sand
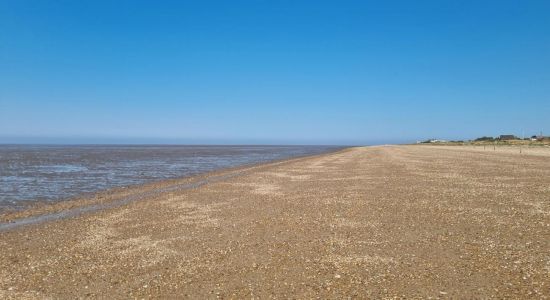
(366, 222)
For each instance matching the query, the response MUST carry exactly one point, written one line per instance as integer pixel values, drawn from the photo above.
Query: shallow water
(51, 173)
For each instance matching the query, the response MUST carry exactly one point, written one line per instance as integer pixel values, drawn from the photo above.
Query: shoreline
(43, 211)
(365, 222)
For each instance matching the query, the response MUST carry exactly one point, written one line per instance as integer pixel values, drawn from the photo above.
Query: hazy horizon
(177, 141)
(125, 140)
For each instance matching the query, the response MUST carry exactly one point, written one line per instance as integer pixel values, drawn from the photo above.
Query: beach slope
(388, 221)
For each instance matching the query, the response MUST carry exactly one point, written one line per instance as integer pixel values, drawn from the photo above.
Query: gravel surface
(373, 222)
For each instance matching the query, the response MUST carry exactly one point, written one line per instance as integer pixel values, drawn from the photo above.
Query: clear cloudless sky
(291, 72)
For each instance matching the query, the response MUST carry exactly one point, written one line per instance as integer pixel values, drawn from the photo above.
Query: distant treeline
(487, 139)
(509, 138)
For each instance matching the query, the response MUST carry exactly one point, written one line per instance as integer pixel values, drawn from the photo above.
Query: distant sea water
(57, 172)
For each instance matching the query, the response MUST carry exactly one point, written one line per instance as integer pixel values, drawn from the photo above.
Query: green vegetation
(502, 140)
(485, 138)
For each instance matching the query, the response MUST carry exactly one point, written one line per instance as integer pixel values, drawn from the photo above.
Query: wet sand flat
(371, 222)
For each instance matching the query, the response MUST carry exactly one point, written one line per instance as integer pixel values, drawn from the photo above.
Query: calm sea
(51, 173)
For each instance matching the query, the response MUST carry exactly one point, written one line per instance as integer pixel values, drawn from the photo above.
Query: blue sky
(301, 72)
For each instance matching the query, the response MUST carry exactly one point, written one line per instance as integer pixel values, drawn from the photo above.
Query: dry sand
(393, 221)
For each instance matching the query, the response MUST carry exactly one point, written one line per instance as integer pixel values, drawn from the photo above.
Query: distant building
(431, 141)
(538, 138)
(437, 141)
(507, 137)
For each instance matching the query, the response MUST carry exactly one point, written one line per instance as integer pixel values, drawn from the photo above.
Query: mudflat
(371, 222)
